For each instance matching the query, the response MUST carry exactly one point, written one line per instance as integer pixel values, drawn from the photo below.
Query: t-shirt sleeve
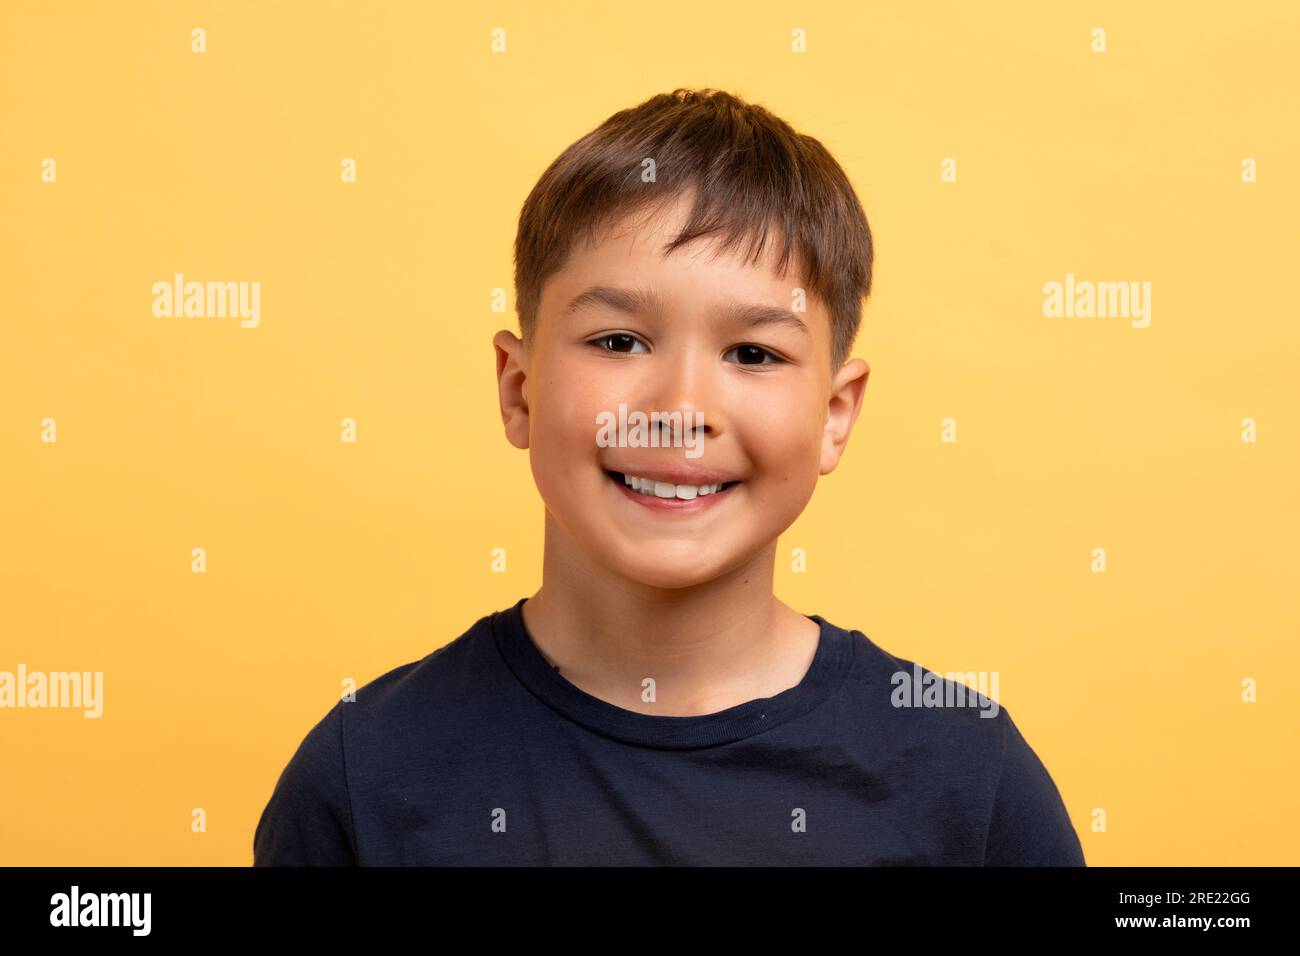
(308, 820)
(1029, 825)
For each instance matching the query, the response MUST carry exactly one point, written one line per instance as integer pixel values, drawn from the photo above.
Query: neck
(707, 647)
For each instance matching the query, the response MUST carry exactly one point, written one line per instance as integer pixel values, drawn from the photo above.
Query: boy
(654, 702)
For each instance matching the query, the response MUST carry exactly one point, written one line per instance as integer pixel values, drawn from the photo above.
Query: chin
(665, 570)
(670, 582)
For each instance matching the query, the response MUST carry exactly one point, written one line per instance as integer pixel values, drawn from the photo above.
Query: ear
(512, 386)
(842, 411)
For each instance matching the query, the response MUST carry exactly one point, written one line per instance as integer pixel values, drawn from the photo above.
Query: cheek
(786, 438)
(784, 444)
(562, 440)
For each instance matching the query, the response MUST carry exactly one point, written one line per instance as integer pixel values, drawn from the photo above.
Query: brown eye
(753, 355)
(624, 342)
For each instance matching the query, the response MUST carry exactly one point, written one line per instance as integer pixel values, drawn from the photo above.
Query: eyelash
(596, 343)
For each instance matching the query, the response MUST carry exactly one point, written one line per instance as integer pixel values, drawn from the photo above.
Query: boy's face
(774, 416)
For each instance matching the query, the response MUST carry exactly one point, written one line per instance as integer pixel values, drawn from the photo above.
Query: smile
(664, 494)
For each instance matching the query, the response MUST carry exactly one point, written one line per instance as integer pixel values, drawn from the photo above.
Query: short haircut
(750, 171)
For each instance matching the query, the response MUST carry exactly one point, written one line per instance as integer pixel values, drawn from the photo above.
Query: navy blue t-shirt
(483, 753)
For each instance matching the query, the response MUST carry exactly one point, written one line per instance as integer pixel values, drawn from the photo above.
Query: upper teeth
(666, 489)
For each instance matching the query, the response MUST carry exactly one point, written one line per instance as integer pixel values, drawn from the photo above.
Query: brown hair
(750, 171)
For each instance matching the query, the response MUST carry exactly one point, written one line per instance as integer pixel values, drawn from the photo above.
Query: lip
(675, 474)
(672, 505)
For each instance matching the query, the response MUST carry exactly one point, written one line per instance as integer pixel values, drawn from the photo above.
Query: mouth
(663, 495)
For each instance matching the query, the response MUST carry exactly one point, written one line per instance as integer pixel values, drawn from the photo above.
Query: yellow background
(328, 560)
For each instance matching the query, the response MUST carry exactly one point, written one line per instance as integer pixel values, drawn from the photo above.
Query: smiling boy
(654, 702)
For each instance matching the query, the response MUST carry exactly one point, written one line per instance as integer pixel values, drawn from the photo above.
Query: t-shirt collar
(829, 666)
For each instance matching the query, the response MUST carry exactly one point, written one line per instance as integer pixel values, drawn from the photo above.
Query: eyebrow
(637, 300)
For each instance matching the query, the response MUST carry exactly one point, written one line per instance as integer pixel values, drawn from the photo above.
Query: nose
(684, 380)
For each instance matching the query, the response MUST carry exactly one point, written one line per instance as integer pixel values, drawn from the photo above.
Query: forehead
(630, 251)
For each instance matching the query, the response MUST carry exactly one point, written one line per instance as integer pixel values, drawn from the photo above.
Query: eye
(757, 353)
(622, 338)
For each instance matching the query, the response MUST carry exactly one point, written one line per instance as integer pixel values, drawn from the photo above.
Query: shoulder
(1029, 824)
(956, 715)
(446, 684)
(308, 819)
(950, 728)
